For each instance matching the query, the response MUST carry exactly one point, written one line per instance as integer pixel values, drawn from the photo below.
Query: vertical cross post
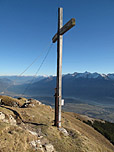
(59, 69)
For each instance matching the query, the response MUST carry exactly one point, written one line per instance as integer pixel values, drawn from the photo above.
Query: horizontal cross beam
(64, 29)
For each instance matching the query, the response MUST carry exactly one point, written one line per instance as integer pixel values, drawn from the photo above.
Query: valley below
(91, 94)
(85, 107)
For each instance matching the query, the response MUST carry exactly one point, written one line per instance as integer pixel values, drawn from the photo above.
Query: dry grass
(9, 101)
(82, 138)
(91, 138)
(15, 139)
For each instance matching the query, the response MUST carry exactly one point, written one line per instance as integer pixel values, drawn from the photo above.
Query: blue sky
(27, 27)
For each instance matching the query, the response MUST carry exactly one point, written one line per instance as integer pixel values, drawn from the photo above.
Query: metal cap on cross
(59, 38)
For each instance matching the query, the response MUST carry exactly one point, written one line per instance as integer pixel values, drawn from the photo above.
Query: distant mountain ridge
(90, 75)
(89, 86)
(93, 86)
(17, 80)
(85, 74)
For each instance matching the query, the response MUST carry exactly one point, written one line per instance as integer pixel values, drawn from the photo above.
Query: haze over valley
(86, 93)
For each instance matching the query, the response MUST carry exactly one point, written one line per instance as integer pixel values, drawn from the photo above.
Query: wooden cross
(59, 38)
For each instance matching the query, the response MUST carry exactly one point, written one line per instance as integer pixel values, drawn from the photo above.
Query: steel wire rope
(32, 62)
(24, 70)
(28, 86)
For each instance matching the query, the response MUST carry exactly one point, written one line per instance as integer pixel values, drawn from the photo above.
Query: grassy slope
(83, 138)
(106, 129)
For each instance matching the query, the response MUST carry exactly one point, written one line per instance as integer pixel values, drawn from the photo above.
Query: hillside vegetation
(106, 129)
(27, 126)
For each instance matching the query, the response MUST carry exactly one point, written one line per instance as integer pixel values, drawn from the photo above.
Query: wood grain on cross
(64, 29)
(59, 38)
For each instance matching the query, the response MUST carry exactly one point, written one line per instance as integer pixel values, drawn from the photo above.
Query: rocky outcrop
(31, 103)
(8, 119)
(41, 144)
(37, 145)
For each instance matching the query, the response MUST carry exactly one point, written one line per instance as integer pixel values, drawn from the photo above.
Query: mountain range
(18, 80)
(79, 85)
(86, 93)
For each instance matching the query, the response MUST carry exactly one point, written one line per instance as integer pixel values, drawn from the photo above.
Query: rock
(2, 116)
(31, 103)
(38, 102)
(63, 131)
(25, 105)
(49, 148)
(27, 101)
(34, 101)
(37, 145)
(40, 137)
(50, 107)
(33, 143)
(33, 133)
(15, 104)
(12, 120)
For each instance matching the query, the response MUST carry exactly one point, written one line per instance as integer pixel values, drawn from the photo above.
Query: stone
(50, 107)
(34, 101)
(33, 133)
(33, 143)
(31, 105)
(40, 137)
(49, 148)
(63, 131)
(2, 116)
(12, 120)
(36, 144)
(27, 101)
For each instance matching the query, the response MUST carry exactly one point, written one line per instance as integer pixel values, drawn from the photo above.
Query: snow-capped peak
(89, 75)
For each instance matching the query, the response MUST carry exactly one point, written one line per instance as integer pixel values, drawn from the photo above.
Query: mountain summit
(90, 75)
(26, 125)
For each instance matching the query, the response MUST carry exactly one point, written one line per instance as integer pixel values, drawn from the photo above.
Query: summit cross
(59, 38)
